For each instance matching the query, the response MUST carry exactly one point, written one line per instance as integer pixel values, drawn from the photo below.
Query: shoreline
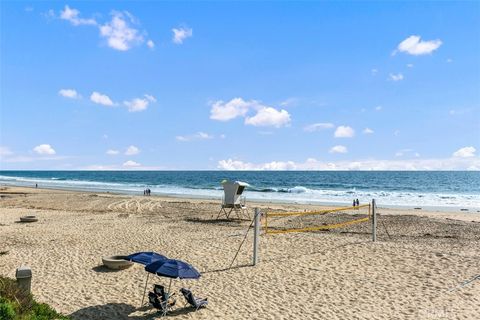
(429, 208)
(444, 213)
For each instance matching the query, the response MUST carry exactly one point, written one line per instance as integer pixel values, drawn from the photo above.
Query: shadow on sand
(102, 269)
(123, 311)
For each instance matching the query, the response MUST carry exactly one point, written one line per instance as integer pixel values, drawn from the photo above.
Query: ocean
(435, 189)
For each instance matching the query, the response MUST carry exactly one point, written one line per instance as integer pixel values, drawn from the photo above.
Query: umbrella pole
(145, 289)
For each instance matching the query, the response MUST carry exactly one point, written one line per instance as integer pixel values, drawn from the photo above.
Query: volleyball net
(276, 222)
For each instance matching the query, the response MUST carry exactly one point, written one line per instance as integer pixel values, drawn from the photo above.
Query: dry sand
(414, 272)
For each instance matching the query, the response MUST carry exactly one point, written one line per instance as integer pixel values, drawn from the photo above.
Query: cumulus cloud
(314, 164)
(338, 149)
(180, 34)
(119, 33)
(378, 108)
(150, 44)
(131, 164)
(318, 126)
(72, 15)
(413, 45)
(132, 150)
(396, 77)
(44, 149)
(268, 116)
(238, 107)
(344, 132)
(139, 104)
(465, 152)
(225, 111)
(231, 164)
(4, 151)
(197, 136)
(410, 65)
(102, 99)
(374, 71)
(368, 131)
(69, 93)
(112, 152)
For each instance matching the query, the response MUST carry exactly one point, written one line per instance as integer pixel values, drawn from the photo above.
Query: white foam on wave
(297, 194)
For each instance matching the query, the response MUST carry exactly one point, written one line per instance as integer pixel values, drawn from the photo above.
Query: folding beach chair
(165, 297)
(155, 301)
(197, 303)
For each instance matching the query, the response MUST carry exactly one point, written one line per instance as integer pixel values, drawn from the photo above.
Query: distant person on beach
(357, 202)
(354, 202)
(36, 185)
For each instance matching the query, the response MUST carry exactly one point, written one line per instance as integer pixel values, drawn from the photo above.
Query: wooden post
(256, 234)
(374, 221)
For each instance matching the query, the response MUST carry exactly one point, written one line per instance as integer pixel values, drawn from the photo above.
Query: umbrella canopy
(172, 268)
(145, 258)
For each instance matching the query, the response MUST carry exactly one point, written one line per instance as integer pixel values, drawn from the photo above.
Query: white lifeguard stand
(233, 199)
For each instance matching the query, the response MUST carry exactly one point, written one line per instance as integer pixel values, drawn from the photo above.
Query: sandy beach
(417, 269)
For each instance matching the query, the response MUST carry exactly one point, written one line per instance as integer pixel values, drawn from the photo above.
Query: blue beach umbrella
(145, 258)
(173, 268)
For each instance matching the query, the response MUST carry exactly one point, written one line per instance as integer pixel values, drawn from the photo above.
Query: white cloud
(223, 136)
(44, 149)
(197, 136)
(268, 116)
(449, 60)
(139, 104)
(415, 46)
(136, 104)
(344, 132)
(378, 108)
(119, 34)
(236, 107)
(472, 163)
(69, 93)
(368, 131)
(396, 77)
(374, 71)
(409, 65)
(132, 150)
(72, 15)
(230, 164)
(131, 164)
(180, 34)
(318, 126)
(4, 151)
(112, 152)
(150, 98)
(102, 99)
(396, 133)
(338, 149)
(150, 44)
(465, 152)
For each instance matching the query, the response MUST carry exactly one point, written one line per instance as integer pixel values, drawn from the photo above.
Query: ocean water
(439, 189)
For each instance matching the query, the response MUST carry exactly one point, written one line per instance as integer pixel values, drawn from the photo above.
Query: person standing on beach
(357, 202)
(354, 202)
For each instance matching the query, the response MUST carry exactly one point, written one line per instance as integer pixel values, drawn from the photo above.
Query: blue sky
(233, 85)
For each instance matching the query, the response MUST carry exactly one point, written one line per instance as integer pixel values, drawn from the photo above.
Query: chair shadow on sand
(123, 311)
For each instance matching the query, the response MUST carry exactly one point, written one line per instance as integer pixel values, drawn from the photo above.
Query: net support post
(256, 234)
(374, 221)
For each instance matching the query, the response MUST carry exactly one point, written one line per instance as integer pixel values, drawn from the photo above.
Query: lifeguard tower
(232, 199)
